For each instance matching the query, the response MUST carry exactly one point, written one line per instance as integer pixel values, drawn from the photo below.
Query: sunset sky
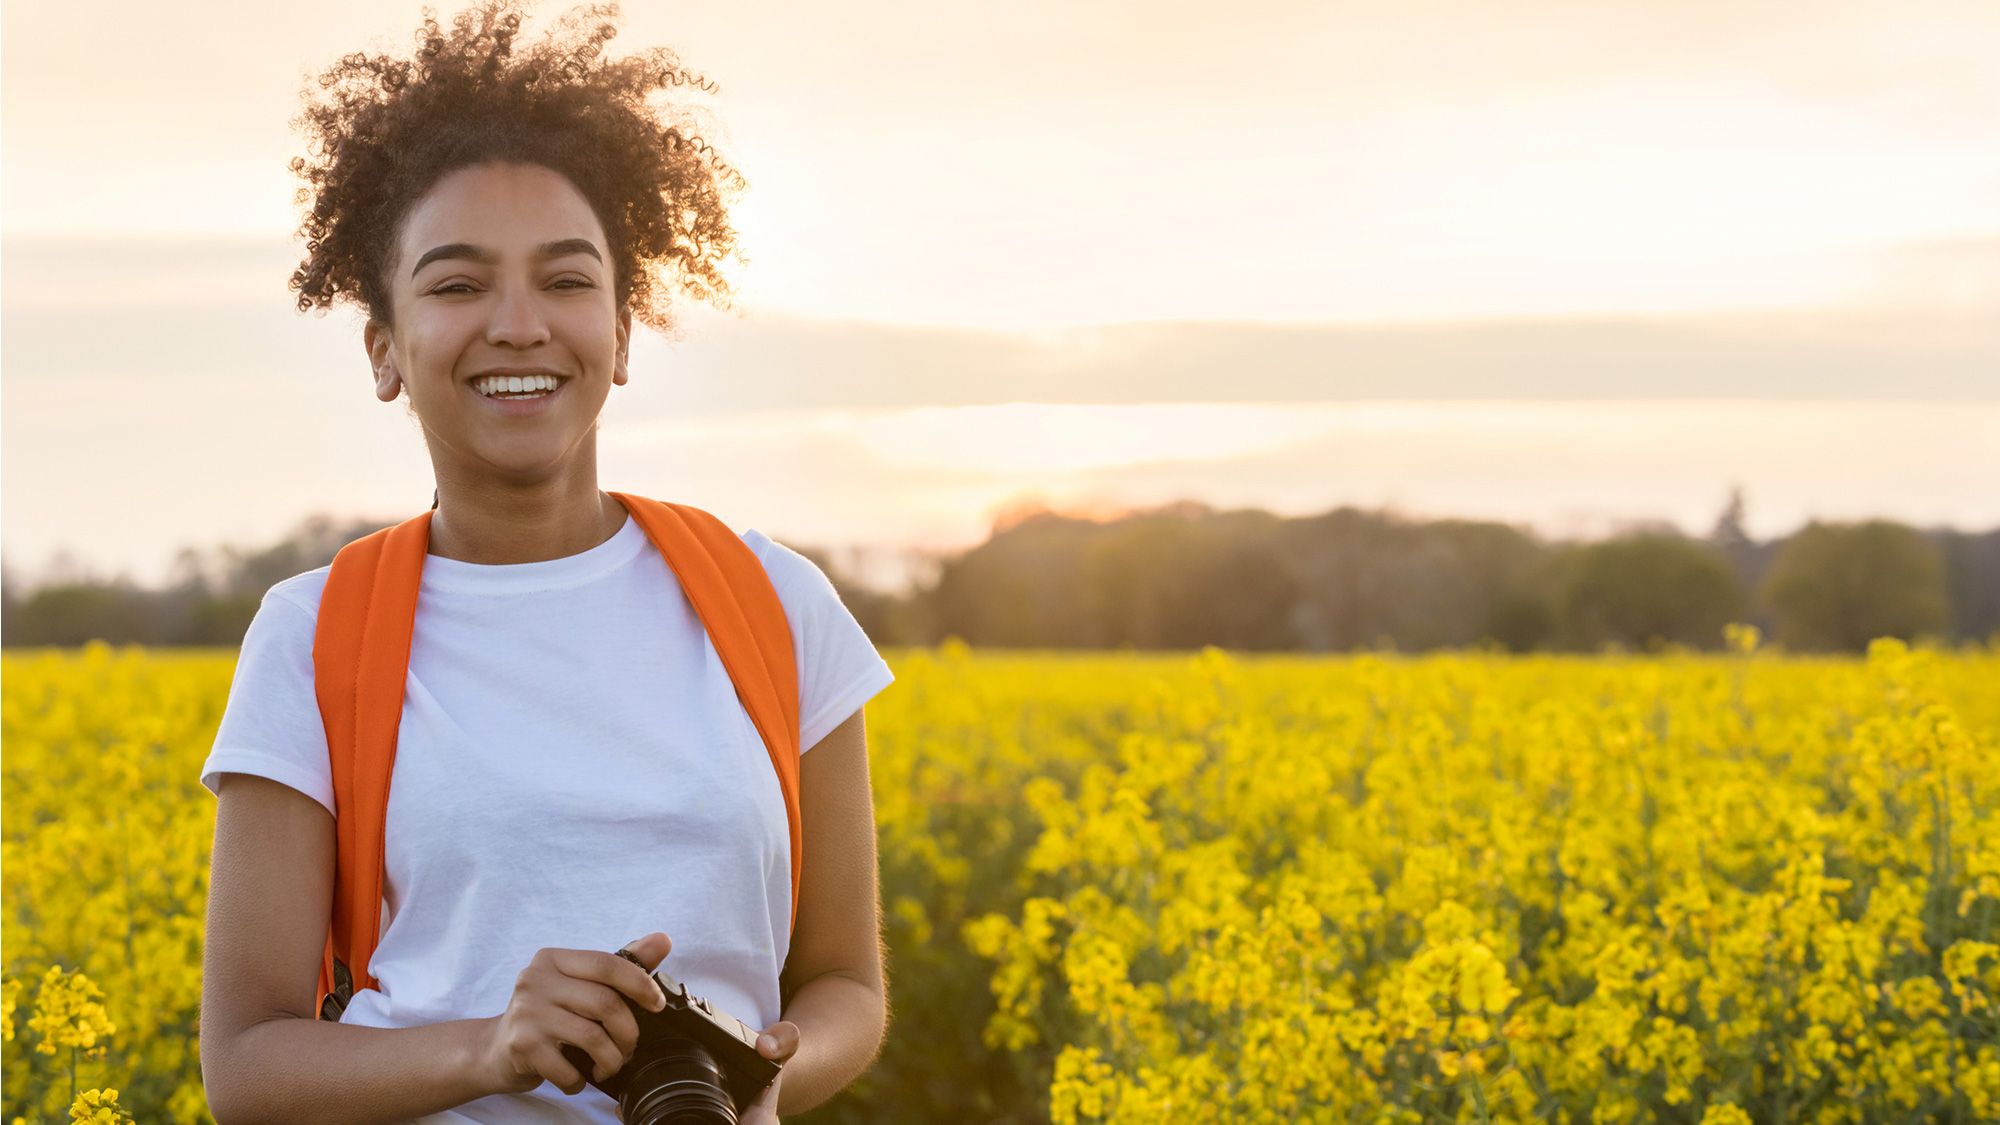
(1557, 263)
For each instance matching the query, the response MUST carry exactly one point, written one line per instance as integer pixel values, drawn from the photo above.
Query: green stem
(1478, 1098)
(1947, 912)
(1468, 1075)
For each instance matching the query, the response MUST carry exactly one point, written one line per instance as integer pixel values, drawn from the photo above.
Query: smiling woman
(486, 745)
(469, 321)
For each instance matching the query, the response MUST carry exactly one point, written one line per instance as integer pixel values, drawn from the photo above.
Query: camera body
(690, 1059)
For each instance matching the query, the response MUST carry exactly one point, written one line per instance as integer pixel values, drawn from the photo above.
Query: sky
(1563, 264)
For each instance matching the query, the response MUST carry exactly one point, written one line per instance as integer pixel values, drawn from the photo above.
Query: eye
(570, 282)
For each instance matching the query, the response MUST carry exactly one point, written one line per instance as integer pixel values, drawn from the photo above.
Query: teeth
(514, 384)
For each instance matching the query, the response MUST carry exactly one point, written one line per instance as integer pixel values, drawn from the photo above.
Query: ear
(382, 358)
(619, 373)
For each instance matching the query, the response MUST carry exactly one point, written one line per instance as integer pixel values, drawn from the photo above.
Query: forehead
(509, 208)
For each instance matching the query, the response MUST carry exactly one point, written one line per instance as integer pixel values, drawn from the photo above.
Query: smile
(523, 402)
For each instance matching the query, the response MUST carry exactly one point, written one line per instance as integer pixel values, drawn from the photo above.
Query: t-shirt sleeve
(839, 669)
(271, 725)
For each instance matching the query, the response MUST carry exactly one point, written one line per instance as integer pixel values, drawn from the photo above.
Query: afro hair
(383, 130)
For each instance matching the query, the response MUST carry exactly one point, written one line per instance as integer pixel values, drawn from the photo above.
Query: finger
(639, 955)
(651, 949)
(549, 1062)
(601, 1008)
(547, 986)
(585, 1046)
(613, 971)
(779, 1041)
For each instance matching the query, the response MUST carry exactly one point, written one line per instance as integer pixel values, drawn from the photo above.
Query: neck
(497, 522)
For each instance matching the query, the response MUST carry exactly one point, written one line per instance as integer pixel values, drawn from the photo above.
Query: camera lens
(681, 1085)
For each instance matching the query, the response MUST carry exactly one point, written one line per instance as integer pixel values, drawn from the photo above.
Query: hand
(576, 997)
(778, 1042)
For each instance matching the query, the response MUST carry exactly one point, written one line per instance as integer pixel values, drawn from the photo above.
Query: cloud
(777, 363)
(1926, 328)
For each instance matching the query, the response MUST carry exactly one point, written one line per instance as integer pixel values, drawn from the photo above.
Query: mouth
(512, 404)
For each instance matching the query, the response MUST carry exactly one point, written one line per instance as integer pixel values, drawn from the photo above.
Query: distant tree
(1524, 618)
(1244, 591)
(1176, 577)
(208, 600)
(1836, 586)
(1343, 560)
(1184, 575)
(1747, 557)
(1369, 578)
(1180, 579)
(1643, 591)
(1521, 621)
(1972, 582)
(71, 613)
(1139, 584)
(1455, 588)
(190, 572)
(1019, 588)
(1728, 535)
(219, 619)
(8, 599)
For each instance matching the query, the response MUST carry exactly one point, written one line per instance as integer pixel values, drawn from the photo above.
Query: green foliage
(1646, 591)
(1835, 586)
(1184, 576)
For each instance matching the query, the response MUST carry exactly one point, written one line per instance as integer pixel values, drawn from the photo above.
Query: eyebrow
(557, 249)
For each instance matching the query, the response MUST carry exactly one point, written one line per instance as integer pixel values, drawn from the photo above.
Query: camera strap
(361, 660)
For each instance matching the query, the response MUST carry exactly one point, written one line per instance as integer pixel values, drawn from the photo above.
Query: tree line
(1186, 575)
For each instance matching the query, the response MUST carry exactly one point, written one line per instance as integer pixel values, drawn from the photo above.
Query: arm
(832, 980)
(264, 1057)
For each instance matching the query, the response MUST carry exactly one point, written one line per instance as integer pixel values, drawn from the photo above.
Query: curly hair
(386, 129)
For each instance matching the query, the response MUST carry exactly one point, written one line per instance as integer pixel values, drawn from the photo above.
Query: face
(502, 266)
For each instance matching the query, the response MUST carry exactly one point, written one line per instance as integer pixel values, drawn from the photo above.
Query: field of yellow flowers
(1137, 887)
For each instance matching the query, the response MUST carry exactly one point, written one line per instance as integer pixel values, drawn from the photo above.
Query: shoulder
(286, 622)
(761, 543)
(300, 592)
(790, 571)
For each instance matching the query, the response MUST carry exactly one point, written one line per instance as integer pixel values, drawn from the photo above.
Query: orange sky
(956, 208)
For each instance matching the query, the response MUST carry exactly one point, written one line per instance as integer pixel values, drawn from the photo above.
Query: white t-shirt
(573, 769)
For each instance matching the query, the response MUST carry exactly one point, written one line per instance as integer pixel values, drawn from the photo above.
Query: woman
(572, 765)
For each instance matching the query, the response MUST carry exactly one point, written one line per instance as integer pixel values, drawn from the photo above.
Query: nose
(517, 318)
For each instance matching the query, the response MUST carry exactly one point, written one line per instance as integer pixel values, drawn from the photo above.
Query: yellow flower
(1724, 1113)
(1919, 997)
(10, 993)
(1739, 637)
(97, 1107)
(1449, 1063)
(67, 1012)
(1975, 989)
(1083, 1088)
(1237, 888)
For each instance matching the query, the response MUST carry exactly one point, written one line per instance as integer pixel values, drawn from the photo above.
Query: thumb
(651, 949)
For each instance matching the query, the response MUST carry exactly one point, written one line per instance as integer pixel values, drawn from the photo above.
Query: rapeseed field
(1136, 887)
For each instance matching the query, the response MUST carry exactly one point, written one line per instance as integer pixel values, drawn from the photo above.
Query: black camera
(694, 1065)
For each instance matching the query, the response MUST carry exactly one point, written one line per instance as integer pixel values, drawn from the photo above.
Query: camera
(694, 1065)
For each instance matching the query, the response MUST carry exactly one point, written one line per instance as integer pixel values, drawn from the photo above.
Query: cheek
(437, 344)
(593, 335)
